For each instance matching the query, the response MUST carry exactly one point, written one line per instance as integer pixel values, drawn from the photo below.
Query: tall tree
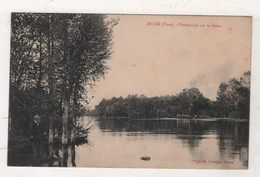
(233, 97)
(53, 58)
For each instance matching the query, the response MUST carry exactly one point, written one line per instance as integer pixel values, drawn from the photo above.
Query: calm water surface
(170, 143)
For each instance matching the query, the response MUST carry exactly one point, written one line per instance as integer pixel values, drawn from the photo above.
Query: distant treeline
(232, 101)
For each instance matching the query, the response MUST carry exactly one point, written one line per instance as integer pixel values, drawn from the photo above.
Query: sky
(157, 60)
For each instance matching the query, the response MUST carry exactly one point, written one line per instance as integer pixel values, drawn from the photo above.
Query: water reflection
(231, 136)
(174, 143)
(57, 155)
(61, 156)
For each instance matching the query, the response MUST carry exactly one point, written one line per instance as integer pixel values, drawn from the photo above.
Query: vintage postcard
(129, 91)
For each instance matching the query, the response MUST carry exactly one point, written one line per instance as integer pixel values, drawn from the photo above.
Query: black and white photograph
(129, 91)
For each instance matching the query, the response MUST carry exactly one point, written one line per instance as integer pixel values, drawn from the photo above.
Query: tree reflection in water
(62, 155)
(232, 135)
(215, 139)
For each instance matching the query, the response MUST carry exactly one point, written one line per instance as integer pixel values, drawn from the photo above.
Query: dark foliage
(53, 58)
(232, 101)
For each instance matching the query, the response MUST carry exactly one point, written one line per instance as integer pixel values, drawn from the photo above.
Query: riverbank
(20, 152)
(200, 119)
(179, 118)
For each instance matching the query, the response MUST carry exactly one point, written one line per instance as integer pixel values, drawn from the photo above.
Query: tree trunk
(51, 131)
(73, 130)
(40, 64)
(74, 116)
(72, 155)
(50, 77)
(51, 151)
(65, 122)
(50, 73)
(66, 99)
(64, 156)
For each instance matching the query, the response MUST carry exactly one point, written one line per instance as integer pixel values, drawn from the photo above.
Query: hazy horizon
(163, 60)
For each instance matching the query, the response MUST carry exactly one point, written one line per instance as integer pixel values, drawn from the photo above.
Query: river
(169, 143)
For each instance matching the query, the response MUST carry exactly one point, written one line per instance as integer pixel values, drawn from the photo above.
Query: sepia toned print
(129, 91)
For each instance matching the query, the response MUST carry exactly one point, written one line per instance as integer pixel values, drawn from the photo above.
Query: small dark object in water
(145, 158)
